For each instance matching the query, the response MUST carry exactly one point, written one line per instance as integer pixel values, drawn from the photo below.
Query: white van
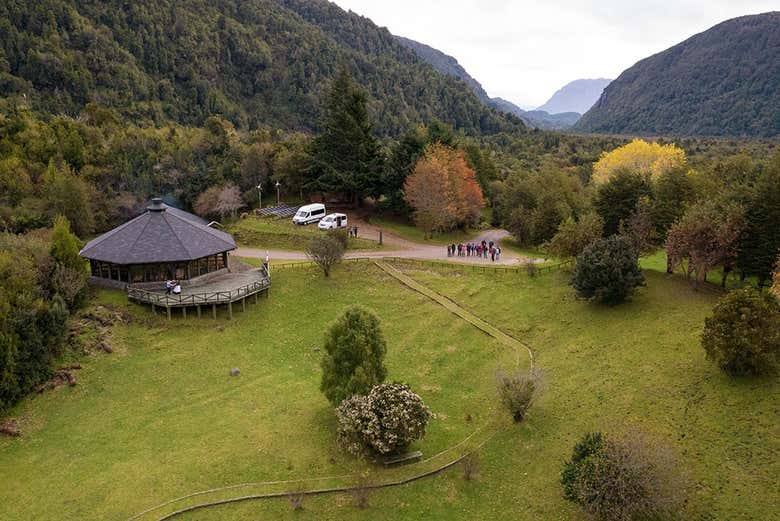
(311, 213)
(334, 220)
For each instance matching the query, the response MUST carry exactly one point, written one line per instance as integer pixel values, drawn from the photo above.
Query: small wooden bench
(403, 458)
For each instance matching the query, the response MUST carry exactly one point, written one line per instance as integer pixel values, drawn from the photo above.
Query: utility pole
(278, 184)
(259, 196)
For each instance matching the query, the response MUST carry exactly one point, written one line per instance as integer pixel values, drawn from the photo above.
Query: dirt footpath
(399, 247)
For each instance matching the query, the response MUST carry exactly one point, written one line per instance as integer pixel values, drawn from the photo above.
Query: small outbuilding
(160, 244)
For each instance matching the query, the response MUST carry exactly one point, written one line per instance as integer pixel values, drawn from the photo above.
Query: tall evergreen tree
(617, 198)
(761, 240)
(673, 192)
(346, 154)
(402, 159)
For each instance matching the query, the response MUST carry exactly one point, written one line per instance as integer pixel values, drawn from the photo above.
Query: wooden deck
(223, 290)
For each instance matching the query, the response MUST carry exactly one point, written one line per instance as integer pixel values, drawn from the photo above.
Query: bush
(385, 421)
(325, 251)
(633, 476)
(573, 236)
(518, 391)
(470, 466)
(354, 356)
(69, 277)
(589, 446)
(607, 271)
(743, 334)
(341, 235)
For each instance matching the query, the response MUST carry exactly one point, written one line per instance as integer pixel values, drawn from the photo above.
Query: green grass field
(161, 417)
(282, 234)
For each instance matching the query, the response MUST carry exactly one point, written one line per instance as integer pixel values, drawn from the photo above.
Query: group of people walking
(480, 250)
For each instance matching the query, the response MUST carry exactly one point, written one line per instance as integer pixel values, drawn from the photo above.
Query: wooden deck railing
(198, 299)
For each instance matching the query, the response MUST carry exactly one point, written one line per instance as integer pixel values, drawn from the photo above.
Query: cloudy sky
(526, 50)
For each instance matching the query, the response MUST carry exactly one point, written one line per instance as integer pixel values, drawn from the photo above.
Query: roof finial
(156, 205)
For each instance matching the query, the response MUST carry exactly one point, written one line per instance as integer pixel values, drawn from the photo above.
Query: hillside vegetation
(448, 65)
(722, 82)
(259, 63)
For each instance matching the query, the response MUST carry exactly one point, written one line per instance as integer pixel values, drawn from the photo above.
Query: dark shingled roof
(161, 234)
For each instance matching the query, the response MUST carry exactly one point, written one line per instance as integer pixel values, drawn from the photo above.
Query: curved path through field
(400, 247)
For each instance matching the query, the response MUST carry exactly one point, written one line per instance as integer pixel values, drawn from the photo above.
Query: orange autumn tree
(443, 190)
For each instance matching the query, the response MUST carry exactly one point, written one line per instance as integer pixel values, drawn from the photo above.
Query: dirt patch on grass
(10, 427)
(61, 378)
(90, 331)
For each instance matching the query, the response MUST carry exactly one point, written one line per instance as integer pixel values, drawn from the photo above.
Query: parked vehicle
(311, 213)
(334, 220)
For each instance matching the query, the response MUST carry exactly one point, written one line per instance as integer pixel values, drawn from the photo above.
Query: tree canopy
(443, 190)
(354, 356)
(648, 159)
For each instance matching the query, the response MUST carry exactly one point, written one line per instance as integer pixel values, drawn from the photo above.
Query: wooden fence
(529, 268)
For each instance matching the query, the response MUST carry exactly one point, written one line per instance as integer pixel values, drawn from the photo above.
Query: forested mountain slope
(260, 63)
(722, 82)
(447, 64)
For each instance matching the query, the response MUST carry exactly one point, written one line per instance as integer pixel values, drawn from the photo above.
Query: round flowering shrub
(386, 420)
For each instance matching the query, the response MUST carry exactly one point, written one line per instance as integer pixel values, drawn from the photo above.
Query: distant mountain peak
(446, 64)
(576, 96)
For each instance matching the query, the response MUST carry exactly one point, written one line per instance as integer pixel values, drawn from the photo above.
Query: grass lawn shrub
(624, 478)
(341, 235)
(743, 334)
(607, 271)
(517, 391)
(385, 421)
(354, 356)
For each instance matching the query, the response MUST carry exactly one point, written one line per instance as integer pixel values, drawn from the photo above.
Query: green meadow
(161, 417)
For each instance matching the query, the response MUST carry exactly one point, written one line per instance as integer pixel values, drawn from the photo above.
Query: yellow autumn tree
(649, 159)
(776, 279)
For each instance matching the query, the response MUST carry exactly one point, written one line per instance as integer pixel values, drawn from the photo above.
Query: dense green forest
(722, 82)
(258, 64)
